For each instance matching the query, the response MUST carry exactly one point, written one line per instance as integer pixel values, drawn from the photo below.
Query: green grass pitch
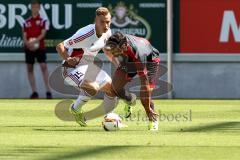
(191, 129)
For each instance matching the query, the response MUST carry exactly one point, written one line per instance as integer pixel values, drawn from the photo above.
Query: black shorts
(30, 56)
(153, 72)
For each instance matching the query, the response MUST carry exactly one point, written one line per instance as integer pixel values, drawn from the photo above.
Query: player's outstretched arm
(145, 97)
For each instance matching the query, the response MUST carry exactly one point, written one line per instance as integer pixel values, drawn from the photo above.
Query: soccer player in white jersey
(78, 53)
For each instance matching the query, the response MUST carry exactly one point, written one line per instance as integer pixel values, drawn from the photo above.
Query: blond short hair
(102, 11)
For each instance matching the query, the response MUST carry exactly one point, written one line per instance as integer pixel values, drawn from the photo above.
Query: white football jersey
(86, 38)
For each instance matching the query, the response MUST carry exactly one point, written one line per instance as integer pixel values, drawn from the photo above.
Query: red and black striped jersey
(139, 54)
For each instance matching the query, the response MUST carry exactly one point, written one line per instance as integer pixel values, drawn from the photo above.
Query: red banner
(210, 26)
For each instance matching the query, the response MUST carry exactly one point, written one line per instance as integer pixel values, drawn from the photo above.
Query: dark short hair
(117, 39)
(35, 2)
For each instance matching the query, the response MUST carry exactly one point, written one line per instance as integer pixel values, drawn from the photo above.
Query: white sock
(109, 103)
(82, 99)
(105, 107)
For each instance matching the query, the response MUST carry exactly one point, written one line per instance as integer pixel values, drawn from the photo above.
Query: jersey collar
(37, 17)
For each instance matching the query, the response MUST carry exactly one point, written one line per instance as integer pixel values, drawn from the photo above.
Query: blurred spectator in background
(34, 31)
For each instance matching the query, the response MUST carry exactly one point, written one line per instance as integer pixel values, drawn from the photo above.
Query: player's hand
(28, 44)
(31, 45)
(153, 116)
(72, 61)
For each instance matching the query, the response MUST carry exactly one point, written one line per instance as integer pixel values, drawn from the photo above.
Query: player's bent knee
(90, 87)
(110, 92)
(107, 88)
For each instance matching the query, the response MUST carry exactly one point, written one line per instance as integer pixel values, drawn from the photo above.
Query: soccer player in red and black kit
(34, 31)
(140, 58)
